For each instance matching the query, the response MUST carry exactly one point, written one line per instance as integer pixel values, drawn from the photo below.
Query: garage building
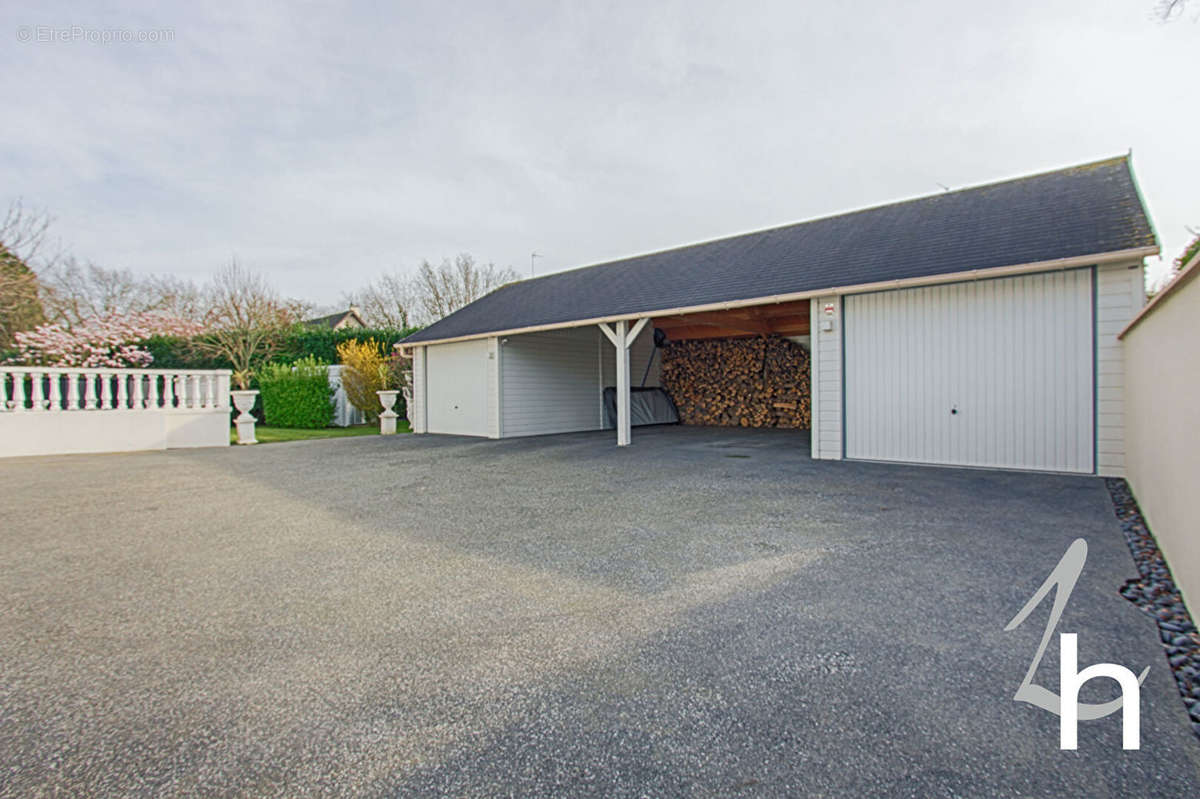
(972, 328)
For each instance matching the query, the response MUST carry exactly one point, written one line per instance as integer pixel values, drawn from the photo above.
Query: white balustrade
(115, 409)
(56, 389)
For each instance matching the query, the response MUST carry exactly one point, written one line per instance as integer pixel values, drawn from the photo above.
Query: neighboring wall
(1162, 457)
(826, 378)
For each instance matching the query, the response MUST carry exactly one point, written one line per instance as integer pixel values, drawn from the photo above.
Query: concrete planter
(387, 419)
(244, 402)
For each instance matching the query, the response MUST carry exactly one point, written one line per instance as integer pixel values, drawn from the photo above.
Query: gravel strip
(1156, 593)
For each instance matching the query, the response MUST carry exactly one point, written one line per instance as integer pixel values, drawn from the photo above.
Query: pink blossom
(110, 341)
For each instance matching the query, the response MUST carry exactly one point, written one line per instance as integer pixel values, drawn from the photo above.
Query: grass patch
(271, 435)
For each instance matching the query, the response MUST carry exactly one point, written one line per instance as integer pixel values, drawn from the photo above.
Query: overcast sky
(325, 144)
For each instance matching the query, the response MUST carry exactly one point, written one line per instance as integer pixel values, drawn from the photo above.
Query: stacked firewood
(739, 382)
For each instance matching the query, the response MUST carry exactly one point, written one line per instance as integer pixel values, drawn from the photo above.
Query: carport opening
(744, 367)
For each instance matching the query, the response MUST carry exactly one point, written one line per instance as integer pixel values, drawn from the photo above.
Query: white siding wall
(1120, 294)
(549, 382)
(419, 424)
(826, 379)
(994, 373)
(493, 387)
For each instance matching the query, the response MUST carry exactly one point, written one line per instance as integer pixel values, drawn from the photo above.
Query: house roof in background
(1079, 211)
(334, 319)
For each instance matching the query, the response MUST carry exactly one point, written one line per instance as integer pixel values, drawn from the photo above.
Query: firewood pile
(739, 382)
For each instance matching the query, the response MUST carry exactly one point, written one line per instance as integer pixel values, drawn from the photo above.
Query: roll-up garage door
(994, 373)
(456, 387)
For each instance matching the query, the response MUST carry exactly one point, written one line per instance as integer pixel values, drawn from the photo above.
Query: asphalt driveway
(705, 613)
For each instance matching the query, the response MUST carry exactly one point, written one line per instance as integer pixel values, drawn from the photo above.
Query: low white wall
(80, 431)
(1162, 454)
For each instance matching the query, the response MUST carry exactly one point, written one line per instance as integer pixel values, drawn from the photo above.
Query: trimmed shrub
(296, 395)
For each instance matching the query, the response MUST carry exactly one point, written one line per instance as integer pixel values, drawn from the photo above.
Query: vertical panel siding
(826, 371)
(1120, 293)
(1013, 357)
(549, 382)
(493, 387)
(456, 388)
(418, 393)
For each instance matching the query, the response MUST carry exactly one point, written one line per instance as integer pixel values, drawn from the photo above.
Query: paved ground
(706, 613)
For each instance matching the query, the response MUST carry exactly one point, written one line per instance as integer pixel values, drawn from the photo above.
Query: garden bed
(272, 435)
(1156, 593)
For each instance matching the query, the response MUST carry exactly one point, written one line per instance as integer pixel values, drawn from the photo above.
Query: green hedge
(297, 394)
(172, 352)
(321, 343)
(297, 344)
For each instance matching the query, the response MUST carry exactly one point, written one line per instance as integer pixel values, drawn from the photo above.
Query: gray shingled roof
(1084, 210)
(332, 320)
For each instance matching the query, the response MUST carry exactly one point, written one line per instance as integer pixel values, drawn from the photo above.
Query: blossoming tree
(112, 341)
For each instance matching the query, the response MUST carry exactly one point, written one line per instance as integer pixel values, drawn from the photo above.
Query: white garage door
(991, 373)
(456, 388)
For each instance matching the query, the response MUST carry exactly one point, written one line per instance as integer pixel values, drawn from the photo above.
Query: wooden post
(624, 428)
(621, 338)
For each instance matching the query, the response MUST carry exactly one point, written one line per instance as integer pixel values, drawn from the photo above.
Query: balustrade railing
(44, 389)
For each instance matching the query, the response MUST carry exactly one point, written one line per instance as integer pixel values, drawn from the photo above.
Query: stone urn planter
(244, 402)
(387, 419)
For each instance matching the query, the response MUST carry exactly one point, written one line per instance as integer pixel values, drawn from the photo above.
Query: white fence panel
(344, 413)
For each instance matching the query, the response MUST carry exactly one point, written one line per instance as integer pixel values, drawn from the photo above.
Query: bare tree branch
(444, 290)
(24, 232)
(392, 301)
(75, 292)
(245, 320)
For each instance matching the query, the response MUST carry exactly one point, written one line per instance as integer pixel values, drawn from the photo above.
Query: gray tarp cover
(646, 406)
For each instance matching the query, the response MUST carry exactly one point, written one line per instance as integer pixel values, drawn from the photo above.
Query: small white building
(970, 328)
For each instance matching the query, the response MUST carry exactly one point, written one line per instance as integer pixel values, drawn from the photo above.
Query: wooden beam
(717, 320)
(608, 332)
(780, 318)
(637, 328)
(687, 333)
